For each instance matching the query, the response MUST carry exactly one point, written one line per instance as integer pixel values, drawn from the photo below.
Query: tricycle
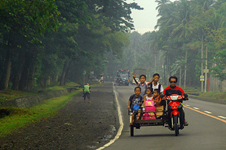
(172, 116)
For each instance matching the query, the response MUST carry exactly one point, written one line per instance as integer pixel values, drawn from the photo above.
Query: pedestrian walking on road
(86, 92)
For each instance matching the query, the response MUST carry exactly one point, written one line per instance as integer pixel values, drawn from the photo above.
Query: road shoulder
(219, 101)
(77, 126)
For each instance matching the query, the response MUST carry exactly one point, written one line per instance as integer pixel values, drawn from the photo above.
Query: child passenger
(154, 84)
(148, 96)
(142, 84)
(158, 106)
(156, 98)
(133, 100)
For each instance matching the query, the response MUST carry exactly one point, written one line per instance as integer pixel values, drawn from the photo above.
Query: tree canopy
(56, 40)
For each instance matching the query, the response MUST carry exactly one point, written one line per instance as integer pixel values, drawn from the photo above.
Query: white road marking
(187, 105)
(208, 112)
(121, 124)
(222, 117)
(195, 107)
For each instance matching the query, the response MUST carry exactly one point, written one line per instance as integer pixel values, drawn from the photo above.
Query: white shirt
(156, 87)
(149, 98)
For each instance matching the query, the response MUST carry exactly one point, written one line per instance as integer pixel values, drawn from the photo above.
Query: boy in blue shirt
(133, 100)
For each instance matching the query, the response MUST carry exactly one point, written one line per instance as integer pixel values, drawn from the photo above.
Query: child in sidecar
(158, 103)
(133, 100)
(149, 108)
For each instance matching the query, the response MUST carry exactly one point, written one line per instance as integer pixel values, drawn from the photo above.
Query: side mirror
(185, 95)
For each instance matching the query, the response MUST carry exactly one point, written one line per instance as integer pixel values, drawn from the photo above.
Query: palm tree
(181, 26)
(161, 3)
(206, 4)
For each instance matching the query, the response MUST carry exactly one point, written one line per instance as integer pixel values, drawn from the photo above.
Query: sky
(145, 20)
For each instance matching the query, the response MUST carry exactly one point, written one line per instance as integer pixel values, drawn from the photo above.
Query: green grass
(6, 95)
(56, 88)
(20, 117)
(208, 94)
(214, 95)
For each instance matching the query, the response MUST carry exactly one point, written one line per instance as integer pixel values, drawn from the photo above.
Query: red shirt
(177, 90)
(169, 91)
(157, 100)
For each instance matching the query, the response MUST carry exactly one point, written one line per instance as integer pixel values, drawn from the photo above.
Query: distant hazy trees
(187, 31)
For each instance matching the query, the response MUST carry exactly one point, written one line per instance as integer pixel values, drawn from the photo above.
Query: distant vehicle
(123, 77)
(138, 72)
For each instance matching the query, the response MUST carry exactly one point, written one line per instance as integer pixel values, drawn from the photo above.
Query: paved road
(206, 130)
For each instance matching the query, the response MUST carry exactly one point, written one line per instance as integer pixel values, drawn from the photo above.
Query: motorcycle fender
(175, 113)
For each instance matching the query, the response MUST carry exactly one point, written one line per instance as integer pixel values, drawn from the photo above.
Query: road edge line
(206, 114)
(121, 124)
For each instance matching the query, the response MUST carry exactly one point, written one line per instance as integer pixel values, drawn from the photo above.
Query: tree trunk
(28, 73)
(64, 72)
(206, 71)
(31, 78)
(19, 71)
(167, 69)
(155, 62)
(202, 64)
(180, 76)
(185, 69)
(4, 84)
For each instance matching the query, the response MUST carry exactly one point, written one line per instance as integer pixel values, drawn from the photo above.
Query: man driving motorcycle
(173, 89)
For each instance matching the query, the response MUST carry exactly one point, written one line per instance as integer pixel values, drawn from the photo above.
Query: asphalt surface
(206, 130)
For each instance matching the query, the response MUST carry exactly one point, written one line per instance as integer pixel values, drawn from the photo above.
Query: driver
(173, 89)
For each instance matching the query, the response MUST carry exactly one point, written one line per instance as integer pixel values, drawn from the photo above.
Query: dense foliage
(47, 42)
(185, 30)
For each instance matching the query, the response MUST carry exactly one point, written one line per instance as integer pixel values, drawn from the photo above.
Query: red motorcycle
(175, 113)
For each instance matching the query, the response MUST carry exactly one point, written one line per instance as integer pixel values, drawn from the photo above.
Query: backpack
(159, 87)
(136, 107)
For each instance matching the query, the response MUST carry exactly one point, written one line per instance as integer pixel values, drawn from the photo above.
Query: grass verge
(196, 92)
(20, 117)
(6, 95)
(214, 95)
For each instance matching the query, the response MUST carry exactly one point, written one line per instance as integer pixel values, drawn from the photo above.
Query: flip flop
(185, 124)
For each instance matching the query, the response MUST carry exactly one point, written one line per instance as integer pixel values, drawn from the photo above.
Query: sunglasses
(173, 82)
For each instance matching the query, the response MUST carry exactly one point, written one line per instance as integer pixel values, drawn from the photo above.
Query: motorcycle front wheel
(175, 126)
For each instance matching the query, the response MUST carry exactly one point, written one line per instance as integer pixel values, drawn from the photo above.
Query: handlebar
(175, 97)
